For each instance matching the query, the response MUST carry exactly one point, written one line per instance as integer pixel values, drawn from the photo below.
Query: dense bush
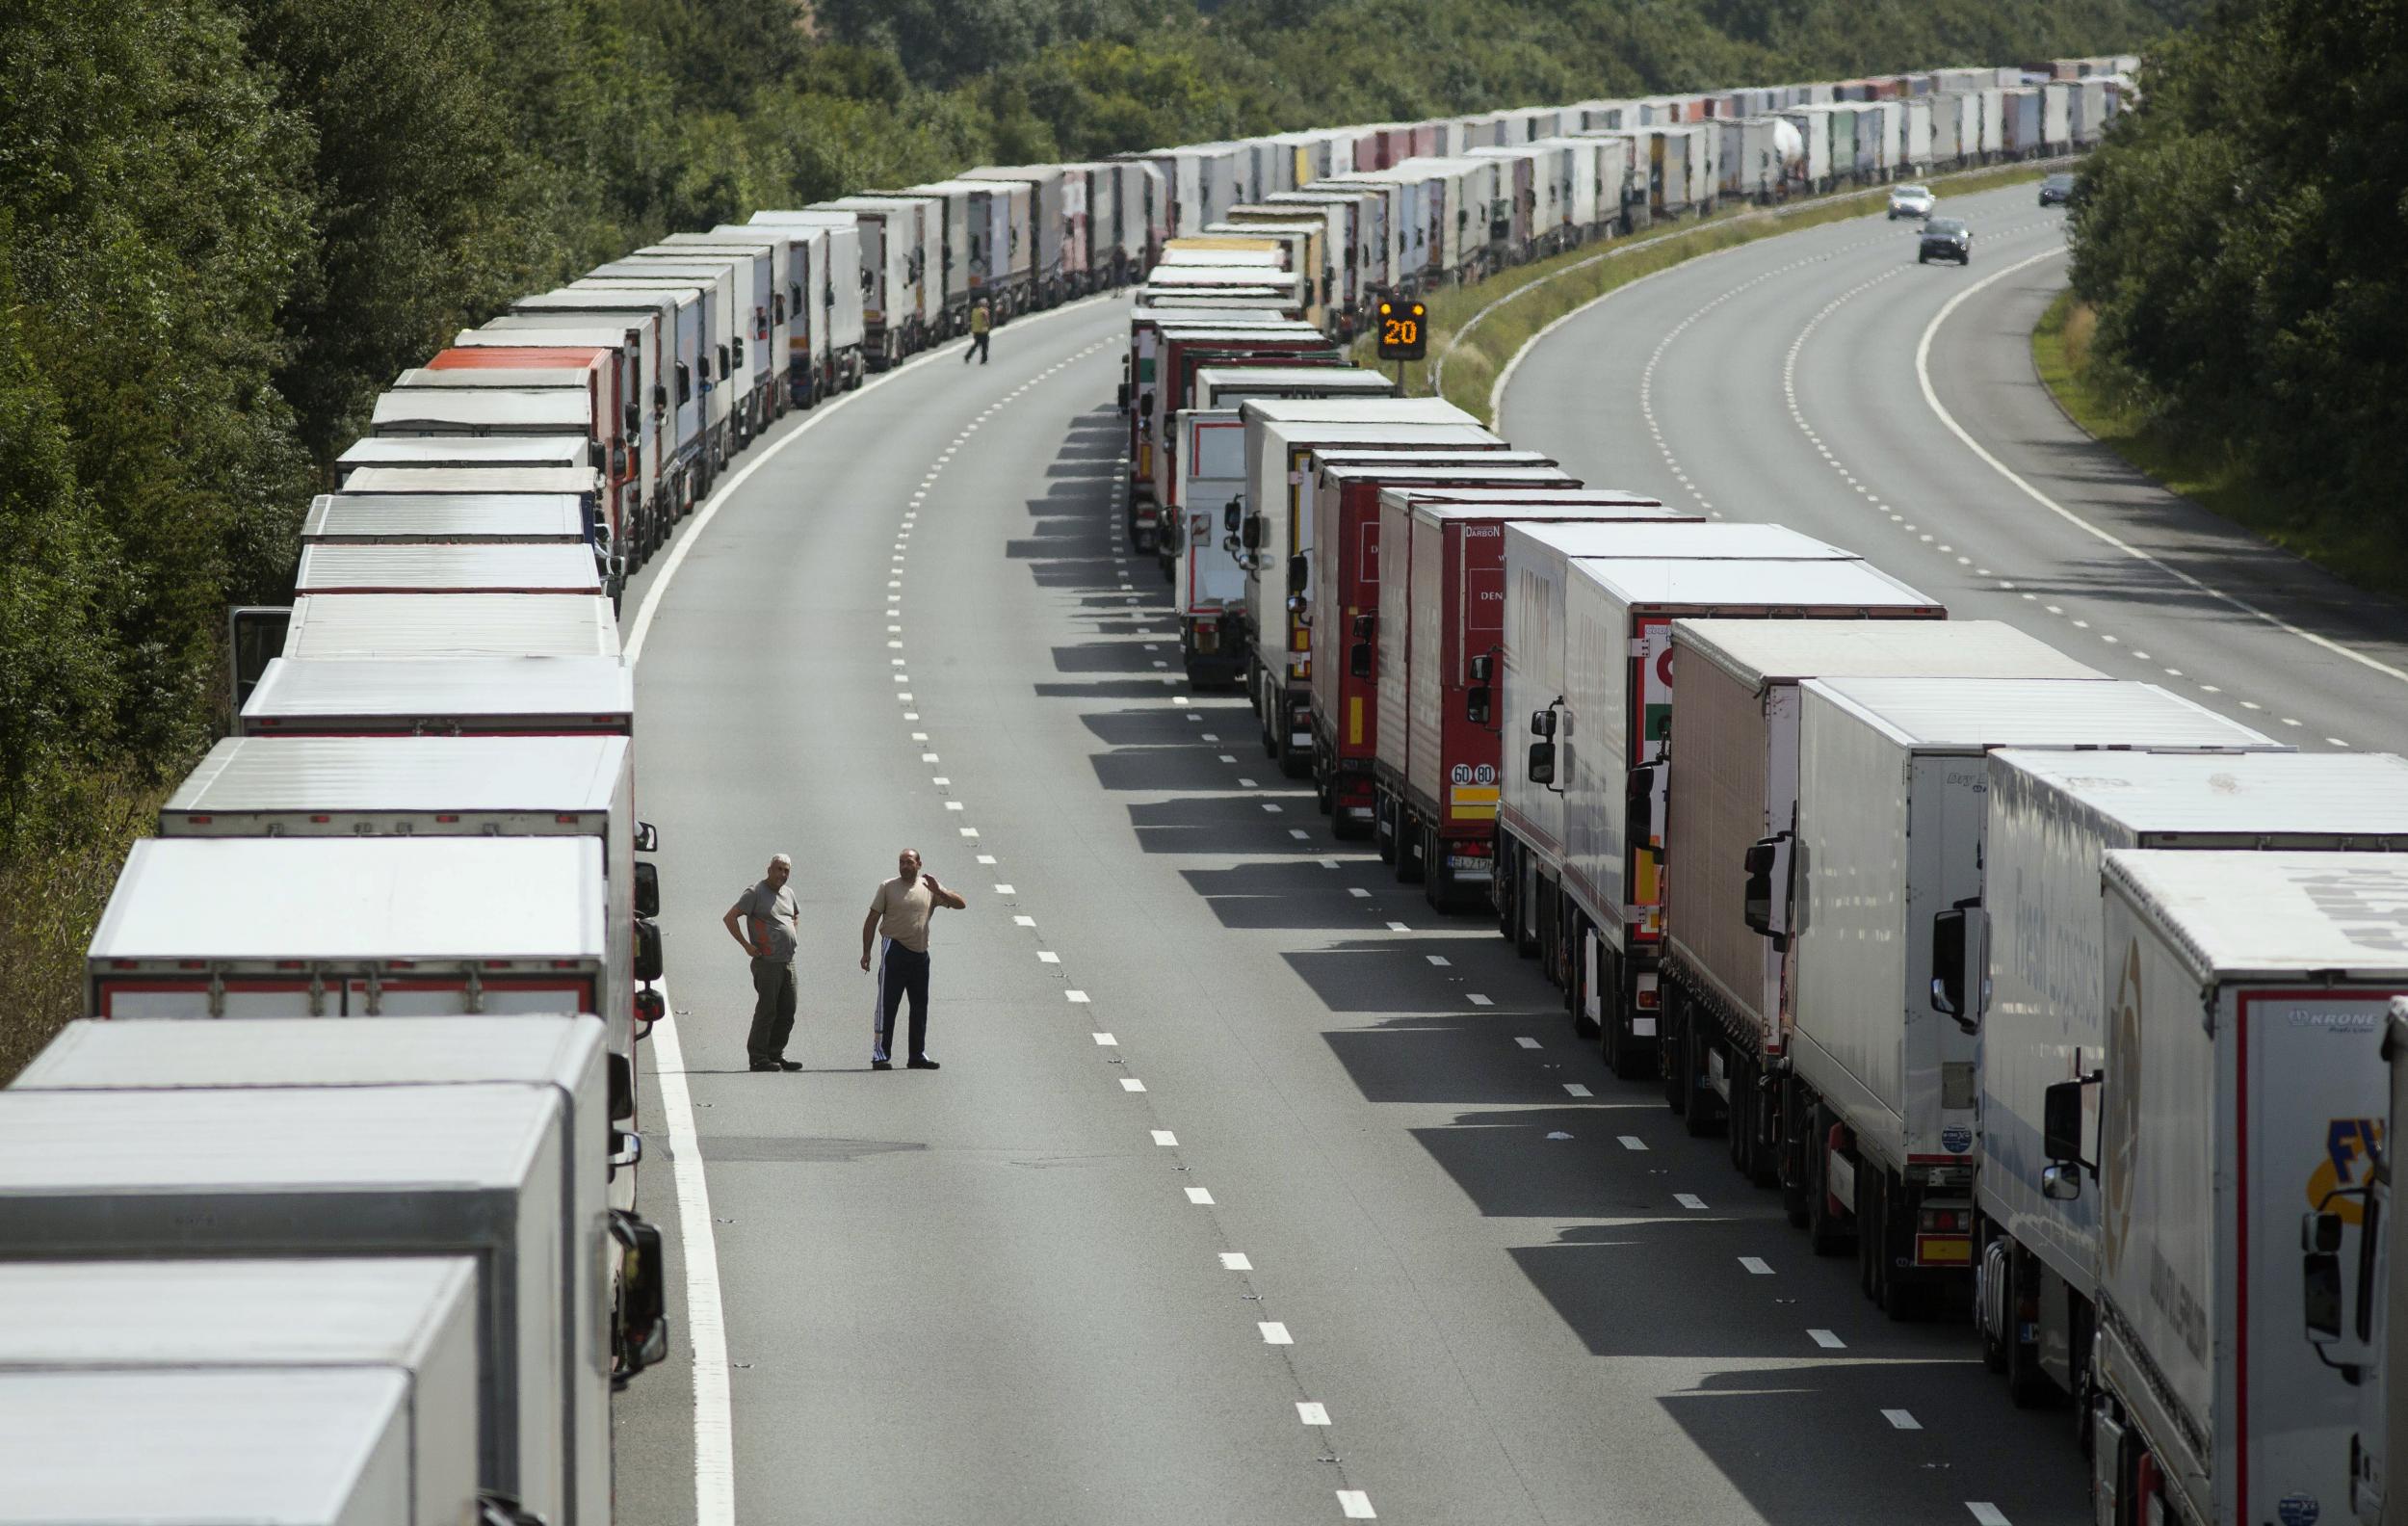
(2240, 239)
(225, 223)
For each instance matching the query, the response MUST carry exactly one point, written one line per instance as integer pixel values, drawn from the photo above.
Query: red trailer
(1342, 593)
(1434, 648)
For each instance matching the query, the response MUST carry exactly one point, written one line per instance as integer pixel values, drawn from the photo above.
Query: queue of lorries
(2056, 1000)
(387, 1271)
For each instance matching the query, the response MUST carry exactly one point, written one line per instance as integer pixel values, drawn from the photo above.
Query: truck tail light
(447, 820)
(1650, 1000)
(198, 821)
(1946, 1220)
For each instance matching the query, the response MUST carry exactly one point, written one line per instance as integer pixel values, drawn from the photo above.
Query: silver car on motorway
(1911, 201)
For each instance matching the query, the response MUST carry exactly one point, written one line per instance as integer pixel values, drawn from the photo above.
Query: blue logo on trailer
(2299, 1509)
(1956, 1139)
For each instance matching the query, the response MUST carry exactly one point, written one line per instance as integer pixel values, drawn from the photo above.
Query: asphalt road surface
(1251, 1191)
(1781, 382)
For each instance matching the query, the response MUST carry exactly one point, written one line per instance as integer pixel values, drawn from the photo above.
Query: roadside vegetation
(2238, 326)
(225, 223)
(1474, 331)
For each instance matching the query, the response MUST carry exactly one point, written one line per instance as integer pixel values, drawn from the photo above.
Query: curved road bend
(1779, 382)
(1510, 1287)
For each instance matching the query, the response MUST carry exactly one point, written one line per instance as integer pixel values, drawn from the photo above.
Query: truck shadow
(1233, 824)
(1395, 976)
(1453, 1059)
(1292, 894)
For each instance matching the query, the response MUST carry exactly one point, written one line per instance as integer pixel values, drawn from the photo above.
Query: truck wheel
(2028, 1388)
(1690, 1052)
(1989, 1277)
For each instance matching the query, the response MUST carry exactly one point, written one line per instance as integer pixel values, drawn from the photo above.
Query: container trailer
(1883, 1087)
(833, 357)
(458, 519)
(2227, 1128)
(895, 234)
(764, 320)
(1048, 224)
(711, 287)
(442, 696)
(357, 625)
(2052, 818)
(610, 375)
(1726, 986)
(435, 567)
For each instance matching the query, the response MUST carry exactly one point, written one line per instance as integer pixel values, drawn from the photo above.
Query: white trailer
(572, 452)
(1727, 1010)
(443, 697)
(895, 233)
(558, 411)
(1884, 1056)
(414, 1319)
(2052, 819)
(458, 519)
(763, 333)
(1048, 224)
(833, 358)
(447, 567)
(2237, 1111)
(425, 788)
(329, 1448)
(1751, 166)
(671, 332)
(1617, 705)
(357, 625)
(650, 495)
(1813, 170)
(482, 1171)
(710, 289)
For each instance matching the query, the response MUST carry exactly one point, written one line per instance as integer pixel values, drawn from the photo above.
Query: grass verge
(53, 886)
(2349, 545)
(1474, 331)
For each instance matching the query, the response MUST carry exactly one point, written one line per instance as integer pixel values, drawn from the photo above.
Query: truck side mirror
(1365, 625)
(1765, 901)
(620, 1074)
(660, 395)
(1543, 721)
(1359, 660)
(647, 889)
(2060, 1127)
(643, 1334)
(1639, 809)
(1298, 571)
(626, 1149)
(1250, 533)
(650, 1008)
(2321, 1288)
(1960, 964)
(1541, 769)
(1483, 667)
(618, 458)
(647, 837)
(648, 965)
(632, 417)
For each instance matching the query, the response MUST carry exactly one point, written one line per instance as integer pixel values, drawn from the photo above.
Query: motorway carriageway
(1252, 1190)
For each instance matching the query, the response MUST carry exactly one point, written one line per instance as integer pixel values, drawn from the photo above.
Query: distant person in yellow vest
(980, 320)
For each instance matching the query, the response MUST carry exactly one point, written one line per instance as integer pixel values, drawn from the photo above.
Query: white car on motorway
(1911, 200)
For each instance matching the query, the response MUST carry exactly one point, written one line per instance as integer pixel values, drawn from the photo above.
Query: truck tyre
(1689, 1056)
(1989, 1289)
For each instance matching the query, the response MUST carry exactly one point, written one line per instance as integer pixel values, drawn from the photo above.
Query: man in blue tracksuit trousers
(900, 909)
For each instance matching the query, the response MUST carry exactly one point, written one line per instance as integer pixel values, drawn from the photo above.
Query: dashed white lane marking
(1166, 1138)
(969, 831)
(986, 859)
(1212, 736)
(1226, 757)
(1358, 892)
(1901, 1420)
(1199, 1196)
(1757, 1266)
(1077, 998)
(1105, 1040)
(1132, 1084)
(954, 805)
(1235, 1261)
(1297, 832)
(1024, 921)
(1308, 1412)
(1273, 810)
(1002, 889)
(1987, 1514)
(1632, 1142)
(1438, 959)
(1245, 783)
(1689, 1201)
(1355, 1505)
(1527, 1044)
(1827, 1340)
(1274, 1333)
(1577, 1089)
(1393, 926)
(1477, 1000)
(1048, 957)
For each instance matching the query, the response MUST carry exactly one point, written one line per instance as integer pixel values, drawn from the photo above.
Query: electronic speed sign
(1404, 329)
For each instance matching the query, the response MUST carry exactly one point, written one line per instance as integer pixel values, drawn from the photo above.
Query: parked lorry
(1275, 527)
(355, 625)
(763, 333)
(328, 1448)
(710, 283)
(1883, 1085)
(1048, 223)
(1143, 376)
(2052, 817)
(1592, 641)
(473, 453)
(554, 519)
(414, 1319)
(442, 696)
(1726, 987)
(577, 787)
(671, 330)
(479, 1169)
(2240, 1092)
(644, 516)
(835, 356)
(447, 567)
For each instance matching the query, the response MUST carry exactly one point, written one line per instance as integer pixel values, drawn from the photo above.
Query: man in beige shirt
(898, 924)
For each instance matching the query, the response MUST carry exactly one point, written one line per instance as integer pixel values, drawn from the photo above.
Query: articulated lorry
(1883, 1090)
(1591, 680)
(2052, 819)
(2227, 1129)
(1726, 986)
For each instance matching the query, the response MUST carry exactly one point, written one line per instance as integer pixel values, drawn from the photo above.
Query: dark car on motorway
(1946, 238)
(2057, 190)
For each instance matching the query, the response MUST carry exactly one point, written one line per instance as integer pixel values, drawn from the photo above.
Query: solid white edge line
(709, 509)
(706, 1326)
(1922, 375)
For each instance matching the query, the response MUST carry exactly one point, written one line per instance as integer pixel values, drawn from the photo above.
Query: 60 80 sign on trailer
(1403, 332)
